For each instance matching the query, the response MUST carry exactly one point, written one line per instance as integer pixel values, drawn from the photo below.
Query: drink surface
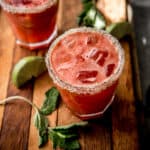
(27, 3)
(84, 58)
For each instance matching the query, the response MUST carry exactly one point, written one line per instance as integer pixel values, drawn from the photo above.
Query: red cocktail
(33, 21)
(85, 64)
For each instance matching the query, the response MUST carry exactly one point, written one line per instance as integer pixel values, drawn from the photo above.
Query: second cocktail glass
(33, 21)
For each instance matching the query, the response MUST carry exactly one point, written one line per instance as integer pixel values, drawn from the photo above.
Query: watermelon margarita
(85, 64)
(33, 21)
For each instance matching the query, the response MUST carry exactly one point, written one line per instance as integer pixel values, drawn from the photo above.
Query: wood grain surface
(117, 129)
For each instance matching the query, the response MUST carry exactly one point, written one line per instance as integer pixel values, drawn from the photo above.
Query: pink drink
(85, 65)
(33, 21)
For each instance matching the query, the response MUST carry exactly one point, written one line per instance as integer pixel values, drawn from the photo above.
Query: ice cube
(87, 76)
(80, 58)
(93, 53)
(102, 58)
(110, 69)
(67, 65)
(91, 40)
(69, 43)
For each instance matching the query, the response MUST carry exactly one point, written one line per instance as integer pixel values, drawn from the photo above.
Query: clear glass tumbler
(33, 21)
(90, 98)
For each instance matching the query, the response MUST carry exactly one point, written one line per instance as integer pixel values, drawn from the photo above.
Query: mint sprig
(71, 127)
(65, 137)
(91, 16)
(41, 123)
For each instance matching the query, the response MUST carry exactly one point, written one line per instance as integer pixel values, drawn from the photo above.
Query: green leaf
(99, 22)
(62, 140)
(72, 145)
(66, 136)
(51, 101)
(91, 17)
(81, 17)
(120, 29)
(41, 123)
(70, 128)
(43, 137)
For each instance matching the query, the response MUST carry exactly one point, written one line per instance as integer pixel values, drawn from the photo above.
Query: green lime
(119, 30)
(27, 68)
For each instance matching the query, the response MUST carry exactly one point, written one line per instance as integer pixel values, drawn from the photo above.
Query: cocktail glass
(87, 100)
(33, 21)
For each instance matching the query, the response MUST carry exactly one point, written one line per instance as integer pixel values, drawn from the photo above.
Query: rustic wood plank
(15, 125)
(6, 55)
(114, 10)
(68, 12)
(42, 84)
(124, 122)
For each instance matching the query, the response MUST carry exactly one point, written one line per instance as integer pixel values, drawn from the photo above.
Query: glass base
(37, 45)
(95, 115)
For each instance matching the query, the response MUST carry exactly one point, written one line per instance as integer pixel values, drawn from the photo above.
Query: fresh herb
(51, 101)
(43, 138)
(91, 16)
(71, 127)
(66, 136)
(41, 123)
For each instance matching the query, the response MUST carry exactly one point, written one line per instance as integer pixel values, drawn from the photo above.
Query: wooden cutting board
(117, 130)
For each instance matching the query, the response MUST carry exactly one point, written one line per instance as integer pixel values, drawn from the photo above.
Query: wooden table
(117, 130)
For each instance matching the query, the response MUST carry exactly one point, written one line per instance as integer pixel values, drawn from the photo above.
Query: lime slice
(27, 68)
(119, 30)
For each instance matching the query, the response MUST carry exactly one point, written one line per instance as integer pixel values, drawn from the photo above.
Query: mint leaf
(91, 17)
(87, 4)
(66, 136)
(99, 22)
(43, 137)
(70, 128)
(51, 101)
(72, 145)
(41, 123)
(62, 140)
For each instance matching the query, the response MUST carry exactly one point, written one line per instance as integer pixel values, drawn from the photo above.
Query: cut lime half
(27, 68)
(119, 30)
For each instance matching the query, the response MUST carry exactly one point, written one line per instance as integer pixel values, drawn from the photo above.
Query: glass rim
(24, 9)
(88, 88)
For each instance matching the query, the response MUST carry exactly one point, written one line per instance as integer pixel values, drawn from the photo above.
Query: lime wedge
(27, 68)
(119, 30)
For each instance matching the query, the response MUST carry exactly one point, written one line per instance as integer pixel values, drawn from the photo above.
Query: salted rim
(24, 9)
(88, 88)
